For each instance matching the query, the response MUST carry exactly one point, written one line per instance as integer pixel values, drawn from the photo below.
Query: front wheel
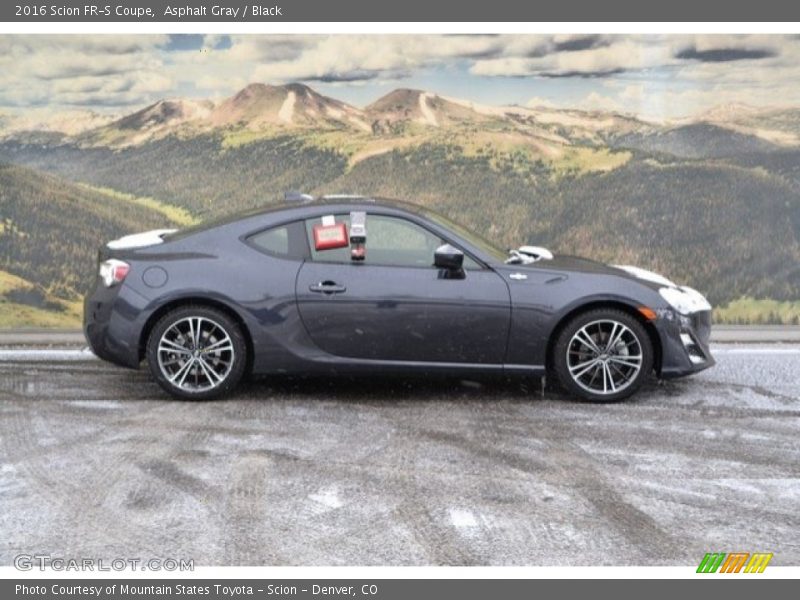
(196, 352)
(603, 355)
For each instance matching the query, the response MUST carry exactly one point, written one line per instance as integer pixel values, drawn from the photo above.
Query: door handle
(327, 287)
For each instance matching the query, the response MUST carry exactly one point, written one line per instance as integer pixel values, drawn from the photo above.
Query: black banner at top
(151, 11)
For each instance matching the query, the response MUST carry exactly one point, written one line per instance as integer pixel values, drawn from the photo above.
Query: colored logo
(735, 562)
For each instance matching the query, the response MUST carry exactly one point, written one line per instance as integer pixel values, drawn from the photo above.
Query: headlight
(685, 300)
(699, 300)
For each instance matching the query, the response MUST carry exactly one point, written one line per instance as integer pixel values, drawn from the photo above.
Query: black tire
(616, 362)
(228, 365)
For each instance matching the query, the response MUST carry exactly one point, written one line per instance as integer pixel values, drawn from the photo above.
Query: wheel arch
(203, 302)
(649, 327)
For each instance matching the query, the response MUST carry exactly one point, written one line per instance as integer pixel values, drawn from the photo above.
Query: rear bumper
(684, 343)
(111, 324)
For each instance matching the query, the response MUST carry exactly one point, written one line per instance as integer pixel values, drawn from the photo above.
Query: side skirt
(334, 364)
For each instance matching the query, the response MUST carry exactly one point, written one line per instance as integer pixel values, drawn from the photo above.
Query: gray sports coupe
(346, 284)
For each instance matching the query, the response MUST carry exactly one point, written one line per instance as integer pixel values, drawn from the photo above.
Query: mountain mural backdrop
(712, 201)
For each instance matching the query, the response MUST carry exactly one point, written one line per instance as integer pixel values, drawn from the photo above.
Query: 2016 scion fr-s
(349, 284)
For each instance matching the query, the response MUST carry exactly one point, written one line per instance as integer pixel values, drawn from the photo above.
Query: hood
(578, 264)
(528, 256)
(683, 298)
(565, 262)
(650, 276)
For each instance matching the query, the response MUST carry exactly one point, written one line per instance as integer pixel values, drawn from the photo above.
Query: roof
(291, 198)
(331, 199)
(299, 202)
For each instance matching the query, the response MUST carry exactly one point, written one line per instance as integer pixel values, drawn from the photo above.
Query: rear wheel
(603, 355)
(196, 352)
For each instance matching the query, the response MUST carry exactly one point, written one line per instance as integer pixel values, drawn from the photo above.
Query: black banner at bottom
(383, 589)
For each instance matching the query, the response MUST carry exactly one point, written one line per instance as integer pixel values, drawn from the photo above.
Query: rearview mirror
(448, 257)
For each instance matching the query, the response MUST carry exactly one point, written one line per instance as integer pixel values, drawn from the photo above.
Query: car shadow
(422, 388)
(368, 388)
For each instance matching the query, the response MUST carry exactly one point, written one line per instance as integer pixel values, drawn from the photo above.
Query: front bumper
(684, 343)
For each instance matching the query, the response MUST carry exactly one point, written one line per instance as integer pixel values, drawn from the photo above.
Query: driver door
(396, 306)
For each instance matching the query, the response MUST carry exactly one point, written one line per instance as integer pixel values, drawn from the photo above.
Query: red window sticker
(328, 237)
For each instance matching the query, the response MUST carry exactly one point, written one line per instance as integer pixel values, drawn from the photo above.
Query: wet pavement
(96, 462)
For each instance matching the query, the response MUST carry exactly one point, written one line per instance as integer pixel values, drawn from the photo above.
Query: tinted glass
(391, 241)
(333, 254)
(473, 238)
(285, 241)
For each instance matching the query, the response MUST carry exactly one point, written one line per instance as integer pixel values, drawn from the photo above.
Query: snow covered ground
(399, 471)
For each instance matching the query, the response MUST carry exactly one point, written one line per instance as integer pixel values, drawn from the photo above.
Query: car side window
(391, 241)
(397, 242)
(332, 255)
(284, 241)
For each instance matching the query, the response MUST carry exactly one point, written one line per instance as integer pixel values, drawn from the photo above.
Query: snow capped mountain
(291, 105)
(165, 114)
(406, 106)
(403, 113)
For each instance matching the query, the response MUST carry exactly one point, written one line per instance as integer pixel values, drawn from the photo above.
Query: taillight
(113, 271)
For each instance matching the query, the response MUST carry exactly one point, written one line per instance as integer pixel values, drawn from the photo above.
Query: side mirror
(448, 257)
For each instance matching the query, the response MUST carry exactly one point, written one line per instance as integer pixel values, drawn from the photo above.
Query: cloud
(216, 42)
(629, 73)
(70, 65)
(662, 100)
(597, 101)
(81, 70)
(111, 44)
(598, 58)
(575, 43)
(211, 83)
(586, 74)
(352, 76)
(539, 102)
(348, 58)
(724, 54)
(260, 48)
(606, 56)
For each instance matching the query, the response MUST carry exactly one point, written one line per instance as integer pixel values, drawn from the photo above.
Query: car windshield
(473, 238)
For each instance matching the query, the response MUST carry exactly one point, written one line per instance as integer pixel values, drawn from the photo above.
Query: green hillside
(24, 304)
(727, 230)
(50, 230)
(680, 217)
(199, 173)
(698, 140)
(710, 206)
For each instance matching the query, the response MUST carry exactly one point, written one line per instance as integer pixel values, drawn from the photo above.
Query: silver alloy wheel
(196, 354)
(604, 357)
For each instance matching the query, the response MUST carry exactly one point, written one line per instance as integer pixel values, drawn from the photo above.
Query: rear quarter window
(284, 241)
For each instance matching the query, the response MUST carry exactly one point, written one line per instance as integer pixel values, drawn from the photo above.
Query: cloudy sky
(655, 76)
